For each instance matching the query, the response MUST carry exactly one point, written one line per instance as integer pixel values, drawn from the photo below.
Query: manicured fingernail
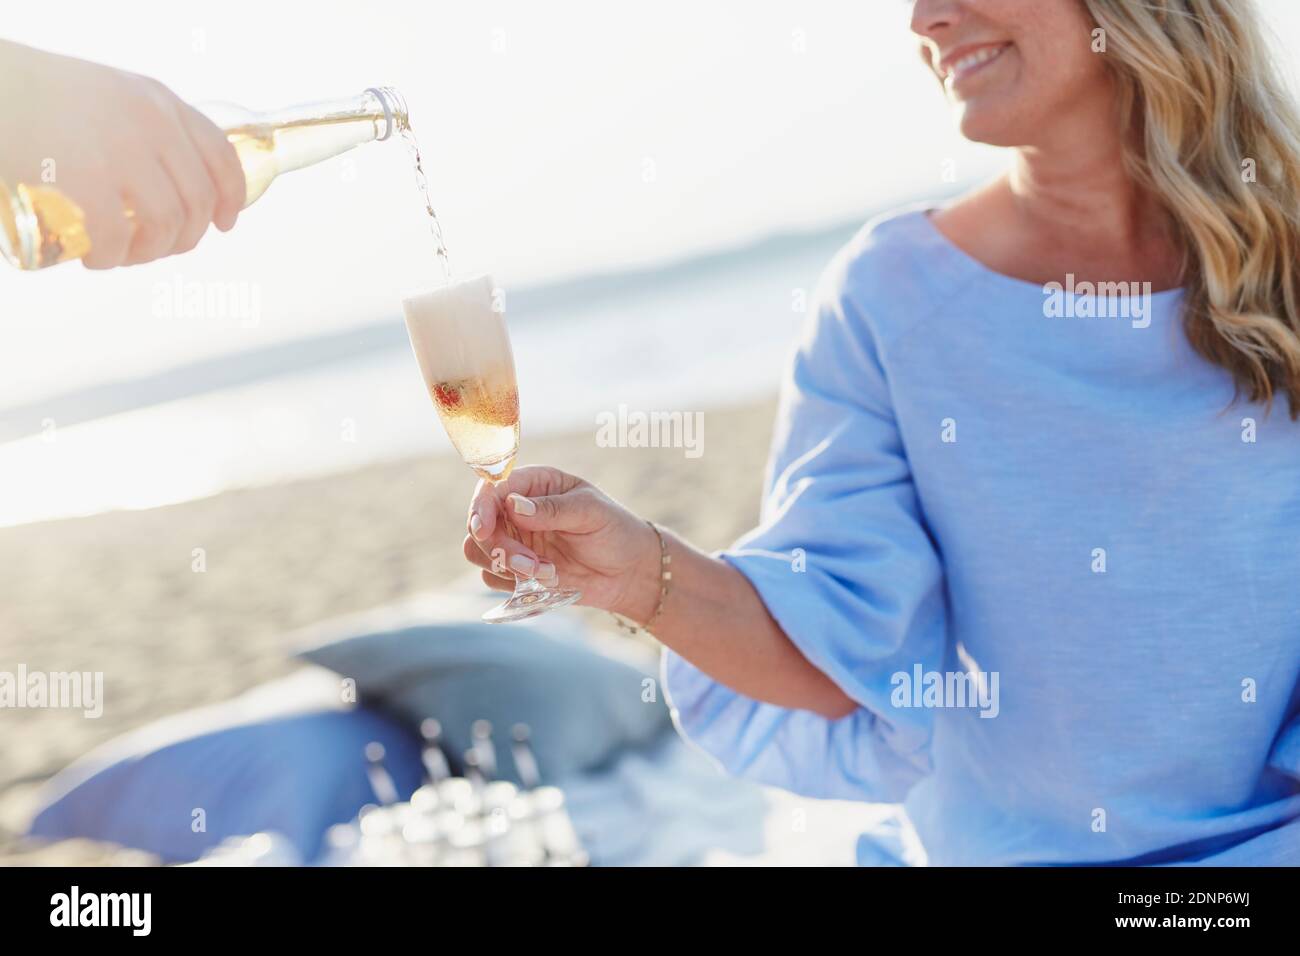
(476, 527)
(546, 570)
(523, 564)
(523, 505)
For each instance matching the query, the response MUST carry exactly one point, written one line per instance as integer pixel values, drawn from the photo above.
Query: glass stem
(523, 583)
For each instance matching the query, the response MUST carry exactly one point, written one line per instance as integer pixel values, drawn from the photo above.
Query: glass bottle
(40, 227)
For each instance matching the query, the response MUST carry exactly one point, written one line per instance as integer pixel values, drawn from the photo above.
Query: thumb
(573, 511)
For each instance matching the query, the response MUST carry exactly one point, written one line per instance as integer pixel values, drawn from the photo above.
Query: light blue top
(965, 481)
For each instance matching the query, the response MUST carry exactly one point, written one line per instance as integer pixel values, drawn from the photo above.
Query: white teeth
(978, 58)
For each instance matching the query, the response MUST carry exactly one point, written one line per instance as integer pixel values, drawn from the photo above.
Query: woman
(1082, 508)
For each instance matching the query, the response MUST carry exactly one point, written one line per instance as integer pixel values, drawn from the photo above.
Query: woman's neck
(1078, 184)
(1069, 207)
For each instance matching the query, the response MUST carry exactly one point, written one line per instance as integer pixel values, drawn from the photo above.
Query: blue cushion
(582, 705)
(288, 756)
(296, 775)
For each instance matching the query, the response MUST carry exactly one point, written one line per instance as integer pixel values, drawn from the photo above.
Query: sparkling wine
(460, 340)
(459, 337)
(422, 184)
(270, 144)
(482, 419)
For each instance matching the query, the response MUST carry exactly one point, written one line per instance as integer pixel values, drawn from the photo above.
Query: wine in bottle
(40, 226)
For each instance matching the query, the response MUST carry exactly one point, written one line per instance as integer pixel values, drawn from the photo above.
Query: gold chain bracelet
(665, 581)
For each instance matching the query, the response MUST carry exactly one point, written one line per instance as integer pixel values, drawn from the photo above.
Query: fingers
(506, 558)
(159, 214)
(109, 229)
(538, 480)
(475, 555)
(195, 188)
(497, 583)
(222, 164)
(575, 512)
(190, 178)
(483, 511)
(559, 502)
(498, 550)
(493, 574)
(532, 480)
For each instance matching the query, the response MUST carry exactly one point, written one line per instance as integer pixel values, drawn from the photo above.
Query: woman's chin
(985, 123)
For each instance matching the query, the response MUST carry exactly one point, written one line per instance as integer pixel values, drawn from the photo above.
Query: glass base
(529, 600)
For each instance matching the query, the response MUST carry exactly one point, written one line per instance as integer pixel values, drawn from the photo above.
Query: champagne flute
(459, 337)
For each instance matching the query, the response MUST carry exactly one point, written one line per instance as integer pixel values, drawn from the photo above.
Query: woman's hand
(573, 534)
(149, 172)
(568, 530)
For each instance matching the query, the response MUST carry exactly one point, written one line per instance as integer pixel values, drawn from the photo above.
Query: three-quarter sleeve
(1285, 755)
(844, 563)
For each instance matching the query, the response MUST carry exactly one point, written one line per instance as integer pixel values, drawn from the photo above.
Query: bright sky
(560, 138)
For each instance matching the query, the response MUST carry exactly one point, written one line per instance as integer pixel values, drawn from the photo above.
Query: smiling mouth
(973, 62)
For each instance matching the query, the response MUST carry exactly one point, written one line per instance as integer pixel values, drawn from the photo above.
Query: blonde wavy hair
(1198, 88)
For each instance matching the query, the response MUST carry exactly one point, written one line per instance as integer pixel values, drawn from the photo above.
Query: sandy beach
(118, 592)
